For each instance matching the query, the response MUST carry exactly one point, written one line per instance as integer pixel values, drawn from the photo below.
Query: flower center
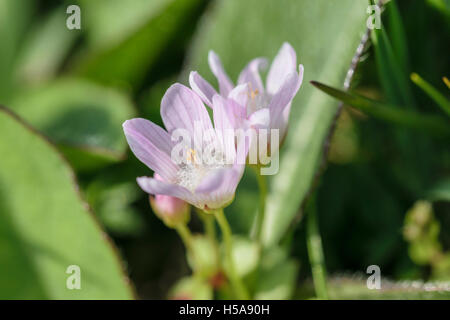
(197, 167)
(258, 100)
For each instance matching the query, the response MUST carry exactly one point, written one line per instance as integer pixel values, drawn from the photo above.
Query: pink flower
(255, 104)
(172, 211)
(205, 184)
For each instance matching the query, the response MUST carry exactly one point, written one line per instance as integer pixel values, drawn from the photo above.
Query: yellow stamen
(252, 93)
(191, 155)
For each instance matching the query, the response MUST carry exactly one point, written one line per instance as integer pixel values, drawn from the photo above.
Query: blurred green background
(382, 198)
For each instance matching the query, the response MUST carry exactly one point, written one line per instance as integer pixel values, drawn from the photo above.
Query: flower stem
(210, 229)
(236, 281)
(315, 251)
(262, 185)
(186, 237)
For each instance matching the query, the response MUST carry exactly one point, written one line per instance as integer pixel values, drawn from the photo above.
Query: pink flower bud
(170, 210)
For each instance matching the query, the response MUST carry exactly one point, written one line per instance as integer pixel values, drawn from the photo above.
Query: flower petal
(181, 108)
(156, 186)
(202, 87)
(151, 146)
(281, 101)
(284, 63)
(240, 94)
(260, 119)
(250, 74)
(224, 123)
(218, 188)
(225, 84)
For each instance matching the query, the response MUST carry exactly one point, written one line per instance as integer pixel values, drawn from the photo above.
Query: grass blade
(432, 92)
(390, 113)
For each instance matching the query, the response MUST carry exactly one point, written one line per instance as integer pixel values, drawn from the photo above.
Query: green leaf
(442, 5)
(390, 113)
(204, 256)
(398, 35)
(325, 51)
(245, 255)
(108, 22)
(85, 119)
(432, 92)
(128, 61)
(393, 78)
(277, 276)
(45, 226)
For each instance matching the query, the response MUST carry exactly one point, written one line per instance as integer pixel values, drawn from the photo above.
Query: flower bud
(172, 211)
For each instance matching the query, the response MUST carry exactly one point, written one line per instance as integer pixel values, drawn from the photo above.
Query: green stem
(236, 281)
(186, 237)
(315, 251)
(262, 185)
(210, 229)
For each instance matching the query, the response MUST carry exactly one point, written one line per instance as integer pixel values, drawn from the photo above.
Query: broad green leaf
(83, 117)
(432, 92)
(390, 113)
(242, 30)
(128, 61)
(45, 226)
(108, 22)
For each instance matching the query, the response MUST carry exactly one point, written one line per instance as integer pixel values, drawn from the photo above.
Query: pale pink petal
(250, 74)
(145, 148)
(240, 94)
(284, 63)
(224, 123)
(286, 92)
(234, 112)
(181, 108)
(218, 188)
(152, 132)
(225, 84)
(283, 98)
(260, 119)
(156, 186)
(202, 87)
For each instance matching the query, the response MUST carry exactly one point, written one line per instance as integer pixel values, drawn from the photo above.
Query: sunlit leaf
(45, 226)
